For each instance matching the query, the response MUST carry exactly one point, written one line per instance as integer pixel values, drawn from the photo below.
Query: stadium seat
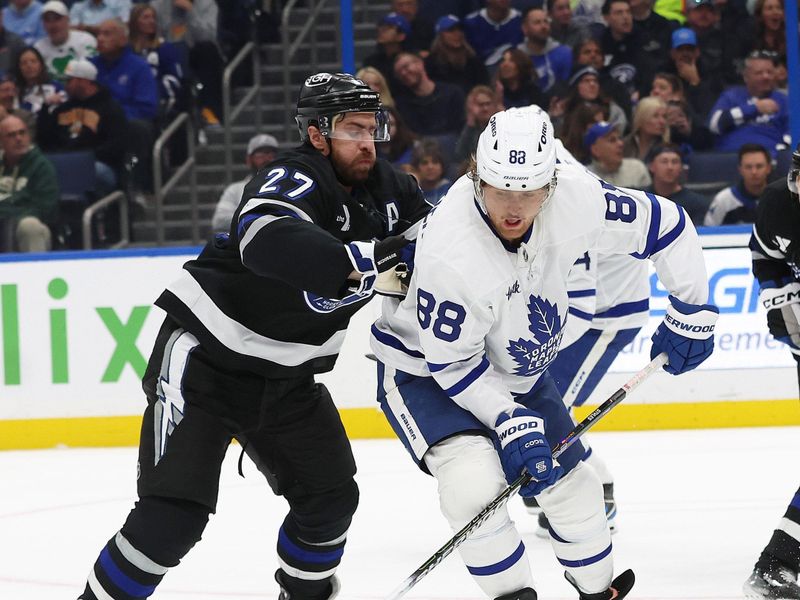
(709, 172)
(76, 182)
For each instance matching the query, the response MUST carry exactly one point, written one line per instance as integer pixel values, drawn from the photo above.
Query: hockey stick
(523, 479)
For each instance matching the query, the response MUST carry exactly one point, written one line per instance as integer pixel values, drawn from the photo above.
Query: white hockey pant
(469, 474)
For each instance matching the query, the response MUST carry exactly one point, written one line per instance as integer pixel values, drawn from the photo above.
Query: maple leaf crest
(533, 356)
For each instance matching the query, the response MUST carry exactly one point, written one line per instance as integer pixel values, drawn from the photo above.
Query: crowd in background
(103, 76)
(633, 87)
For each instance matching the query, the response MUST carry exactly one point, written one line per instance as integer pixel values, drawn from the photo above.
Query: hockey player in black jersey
(776, 264)
(249, 323)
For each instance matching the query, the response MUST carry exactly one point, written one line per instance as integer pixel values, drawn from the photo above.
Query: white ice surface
(695, 510)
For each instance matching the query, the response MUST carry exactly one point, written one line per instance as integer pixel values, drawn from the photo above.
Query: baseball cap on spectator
(81, 68)
(262, 141)
(690, 4)
(55, 6)
(684, 36)
(396, 20)
(595, 132)
(581, 73)
(659, 149)
(447, 22)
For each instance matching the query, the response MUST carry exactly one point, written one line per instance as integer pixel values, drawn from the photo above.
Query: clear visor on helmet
(359, 127)
(791, 179)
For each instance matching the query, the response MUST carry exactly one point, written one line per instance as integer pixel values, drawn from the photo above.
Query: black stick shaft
(523, 479)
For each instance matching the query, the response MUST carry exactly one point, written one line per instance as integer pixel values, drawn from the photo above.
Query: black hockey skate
(523, 594)
(620, 587)
(775, 581)
(285, 595)
(544, 526)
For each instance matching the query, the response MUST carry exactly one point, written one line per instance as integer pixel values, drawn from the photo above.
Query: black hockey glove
(388, 252)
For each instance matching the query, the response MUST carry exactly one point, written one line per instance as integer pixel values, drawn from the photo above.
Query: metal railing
(291, 43)
(229, 112)
(124, 227)
(161, 188)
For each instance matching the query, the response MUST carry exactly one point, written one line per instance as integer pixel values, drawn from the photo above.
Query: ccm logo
(534, 443)
(781, 299)
(687, 327)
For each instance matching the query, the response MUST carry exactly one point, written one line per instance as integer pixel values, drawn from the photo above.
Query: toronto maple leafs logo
(532, 356)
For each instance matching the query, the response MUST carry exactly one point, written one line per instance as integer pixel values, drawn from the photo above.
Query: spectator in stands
(770, 26)
(261, 150)
(428, 166)
(10, 105)
(36, 88)
(127, 75)
(653, 32)
(165, 59)
(575, 126)
(24, 17)
(564, 26)
(10, 45)
(393, 30)
(28, 188)
(604, 145)
(493, 30)
(514, 83)
(720, 55)
(587, 53)
(756, 112)
(552, 62)
(584, 87)
(420, 36)
(429, 108)
(377, 82)
(591, 10)
(481, 104)
(452, 59)
(62, 43)
(737, 203)
(622, 49)
(665, 163)
(87, 15)
(401, 141)
(685, 125)
(89, 120)
(130, 81)
(649, 128)
(194, 24)
(701, 90)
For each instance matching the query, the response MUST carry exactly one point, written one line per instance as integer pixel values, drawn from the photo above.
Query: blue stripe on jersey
(363, 264)
(393, 342)
(672, 235)
(580, 314)
(625, 309)
(469, 378)
(581, 293)
(121, 580)
(586, 561)
(436, 367)
(796, 500)
(555, 536)
(248, 218)
(501, 566)
(652, 232)
(300, 554)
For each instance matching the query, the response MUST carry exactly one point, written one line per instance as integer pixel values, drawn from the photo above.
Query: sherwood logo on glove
(517, 427)
(688, 327)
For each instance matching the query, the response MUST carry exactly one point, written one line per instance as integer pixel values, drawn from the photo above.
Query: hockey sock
(307, 565)
(122, 572)
(784, 545)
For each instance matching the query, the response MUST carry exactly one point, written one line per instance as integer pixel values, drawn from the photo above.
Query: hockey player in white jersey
(608, 305)
(462, 359)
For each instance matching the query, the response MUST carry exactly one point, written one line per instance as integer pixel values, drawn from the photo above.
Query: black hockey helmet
(794, 171)
(325, 95)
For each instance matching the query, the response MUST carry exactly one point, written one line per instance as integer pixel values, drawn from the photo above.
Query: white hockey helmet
(517, 151)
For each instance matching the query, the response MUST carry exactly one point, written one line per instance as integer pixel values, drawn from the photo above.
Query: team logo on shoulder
(318, 79)
(532, 356)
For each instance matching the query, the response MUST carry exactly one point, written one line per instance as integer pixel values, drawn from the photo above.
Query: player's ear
(318, 140)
